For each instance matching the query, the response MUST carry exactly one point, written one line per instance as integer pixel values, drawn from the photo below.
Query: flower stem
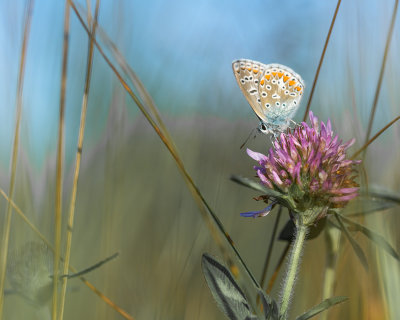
(294, 262)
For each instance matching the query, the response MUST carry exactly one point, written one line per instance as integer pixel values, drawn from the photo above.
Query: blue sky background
(183, 51)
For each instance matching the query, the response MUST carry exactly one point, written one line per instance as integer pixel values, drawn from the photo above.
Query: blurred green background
(132, 199)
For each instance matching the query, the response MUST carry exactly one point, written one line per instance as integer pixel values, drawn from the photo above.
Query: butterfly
(273, 92)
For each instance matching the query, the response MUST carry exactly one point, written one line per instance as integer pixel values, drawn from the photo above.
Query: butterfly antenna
(247, 139)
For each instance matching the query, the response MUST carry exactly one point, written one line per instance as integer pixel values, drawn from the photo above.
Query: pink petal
(276, 178)
(344, 190)
(264, 179)
(344, 198)
(256, 155)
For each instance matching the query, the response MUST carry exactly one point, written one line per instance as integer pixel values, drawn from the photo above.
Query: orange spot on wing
(285, 78)
(292, 82)
(273, 73)
(280, 74)
(255, 70)
(249, 68)
(262, 82)
(267, 76)
(298, 88)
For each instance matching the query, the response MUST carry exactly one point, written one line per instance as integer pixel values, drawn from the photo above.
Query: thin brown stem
(321, 60)
(381, 73)
(73, 269)
(365, 146)
(14, 156)
(60, 163)
(143, 94)
(78, 158)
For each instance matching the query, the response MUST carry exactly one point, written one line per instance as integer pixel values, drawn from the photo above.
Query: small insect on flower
(273, 91)
(308, 167)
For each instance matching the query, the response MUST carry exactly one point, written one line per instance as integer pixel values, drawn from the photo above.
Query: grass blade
(381, 73)
(255, 186)
(376, 202)
(60, 163)
(373, 236)
(356, 247)
(385, 196)
(91, 268)
(365, 146)
(324, 305)
(78, 158)
(321, 60)
(14, 155)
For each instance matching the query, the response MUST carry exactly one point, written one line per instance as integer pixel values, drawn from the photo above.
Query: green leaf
(281, 198)
(371, 202)
(326, 304)
(384, 195)
(256, 186)
(226, 292)
(356, 247)
(376, 238)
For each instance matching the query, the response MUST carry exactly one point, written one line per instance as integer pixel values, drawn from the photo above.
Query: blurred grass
(131, 199)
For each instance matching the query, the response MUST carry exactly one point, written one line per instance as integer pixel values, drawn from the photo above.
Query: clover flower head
(309, 167)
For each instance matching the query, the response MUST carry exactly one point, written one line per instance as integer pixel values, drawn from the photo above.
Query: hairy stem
(293, 267)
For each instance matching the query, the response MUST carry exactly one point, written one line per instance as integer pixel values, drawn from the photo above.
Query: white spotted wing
(273, 91)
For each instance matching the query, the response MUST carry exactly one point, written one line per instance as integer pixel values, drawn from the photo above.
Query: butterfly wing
(247, 74)
(280, 90)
